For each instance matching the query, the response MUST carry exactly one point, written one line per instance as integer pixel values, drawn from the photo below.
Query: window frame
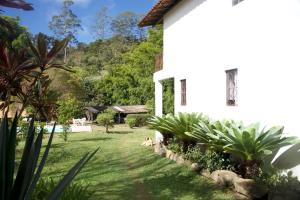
(232, 89)
(183, 101)
(236, 2)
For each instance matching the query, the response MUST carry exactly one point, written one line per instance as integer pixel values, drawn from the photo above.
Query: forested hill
(112, 71)
(115, 69)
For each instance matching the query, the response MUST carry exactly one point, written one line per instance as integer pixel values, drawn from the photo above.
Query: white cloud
(81, 2)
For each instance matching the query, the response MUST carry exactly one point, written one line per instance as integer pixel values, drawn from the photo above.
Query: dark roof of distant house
(156, 14)
(95, 109)
(131, 109)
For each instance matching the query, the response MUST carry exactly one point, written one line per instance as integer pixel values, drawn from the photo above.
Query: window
(183, 92)
(231, 87)
(235, 2)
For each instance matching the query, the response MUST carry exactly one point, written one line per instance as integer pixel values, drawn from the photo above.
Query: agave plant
(179, 125)
(20, 185)
(251, 145)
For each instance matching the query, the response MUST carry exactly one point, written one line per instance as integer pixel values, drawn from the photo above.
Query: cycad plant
(251, 145)
(205, 132)
(20, 185)
(178, 125)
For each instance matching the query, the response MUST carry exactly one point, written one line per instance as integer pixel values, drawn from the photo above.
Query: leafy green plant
(106, 119)
(174, 146)
(67, 110)
(278, 180)
(137, 120)
(178, 125)
(75, 191)
(131, 122)
(211, 160)
(20, 185)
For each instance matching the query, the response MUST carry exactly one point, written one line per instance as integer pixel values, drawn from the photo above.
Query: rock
(160, 149)
(168, 153)
(195, 167)
(148, 143)
(179, 160)
(188, 162)
(224, 177)
(250, 188)
(206, 173)
(173, 156)
(239, 196)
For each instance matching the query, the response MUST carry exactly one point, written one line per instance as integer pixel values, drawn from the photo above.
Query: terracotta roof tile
(156, 14)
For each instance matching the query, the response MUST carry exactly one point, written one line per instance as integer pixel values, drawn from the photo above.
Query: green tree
(15, 36)
(129, 81)
(106, 119)
(67, 110)
(66, 24)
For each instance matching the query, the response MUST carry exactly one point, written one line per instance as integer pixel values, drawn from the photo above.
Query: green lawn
(123, 169)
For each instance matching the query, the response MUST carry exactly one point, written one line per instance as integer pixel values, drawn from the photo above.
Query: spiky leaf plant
(178, 125)
(19, 185)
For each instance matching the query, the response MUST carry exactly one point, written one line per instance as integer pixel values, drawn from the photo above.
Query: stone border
(244, 188)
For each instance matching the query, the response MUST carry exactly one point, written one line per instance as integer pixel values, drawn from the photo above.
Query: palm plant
(20, 185)
(179, 125)
(251, 145)
(205, 132)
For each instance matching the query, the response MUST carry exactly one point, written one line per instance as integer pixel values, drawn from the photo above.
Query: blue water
(58, 128)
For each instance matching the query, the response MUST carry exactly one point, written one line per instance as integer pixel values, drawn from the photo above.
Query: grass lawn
(123, 169)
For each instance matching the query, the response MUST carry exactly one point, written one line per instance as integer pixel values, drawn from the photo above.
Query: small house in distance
(91, 112)
(123, 111)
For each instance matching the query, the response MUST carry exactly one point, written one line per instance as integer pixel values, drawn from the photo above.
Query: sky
(37, 20)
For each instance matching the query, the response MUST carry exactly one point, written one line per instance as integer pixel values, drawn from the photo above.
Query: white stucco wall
(203, 38)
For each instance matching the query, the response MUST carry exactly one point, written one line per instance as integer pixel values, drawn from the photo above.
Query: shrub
(75, 191)
(210, 160)
(174, 146)
(277, 180)
(106, 119)
(137, 120)
(67, 110)
(131, 122)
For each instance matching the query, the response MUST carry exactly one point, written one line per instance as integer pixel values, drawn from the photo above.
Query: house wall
(203, 38)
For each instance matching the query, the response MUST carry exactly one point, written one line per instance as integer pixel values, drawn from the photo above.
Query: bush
(209, 159)
(137, 120)
(75, 191)
(277, 180)
(106, 119)
(131, 122)
(174, 146)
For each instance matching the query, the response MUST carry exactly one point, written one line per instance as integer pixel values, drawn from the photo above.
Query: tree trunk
(106, 129)
(65, 55)
(250, 169)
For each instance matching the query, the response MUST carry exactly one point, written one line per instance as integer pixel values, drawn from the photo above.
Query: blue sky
(37, 20)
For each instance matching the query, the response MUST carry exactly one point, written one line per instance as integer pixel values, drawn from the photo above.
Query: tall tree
(66, 24)
(101, 28)
(126, 25)
(14, 35)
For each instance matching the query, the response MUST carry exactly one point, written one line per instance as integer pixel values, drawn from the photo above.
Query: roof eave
(156, 14)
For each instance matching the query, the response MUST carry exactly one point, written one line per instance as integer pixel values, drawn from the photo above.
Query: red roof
(156, 14)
